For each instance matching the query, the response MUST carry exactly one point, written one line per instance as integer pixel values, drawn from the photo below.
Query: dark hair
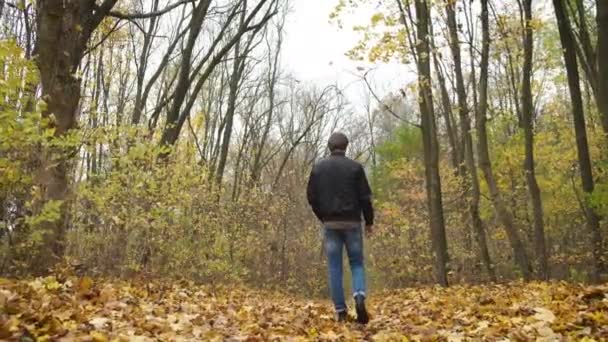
(337, 141)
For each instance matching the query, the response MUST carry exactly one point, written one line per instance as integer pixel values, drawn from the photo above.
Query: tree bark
(430, 143)
(503, 214)
(602, 57)
(569, 51)
(528, 126)
(63, 31)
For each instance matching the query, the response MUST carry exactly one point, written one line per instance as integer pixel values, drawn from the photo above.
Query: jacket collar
(341, 153)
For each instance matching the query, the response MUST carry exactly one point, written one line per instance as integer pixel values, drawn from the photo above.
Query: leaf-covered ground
(81, 309)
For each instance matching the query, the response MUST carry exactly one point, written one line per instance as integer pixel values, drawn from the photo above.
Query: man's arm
(312, 193)
(365, 198)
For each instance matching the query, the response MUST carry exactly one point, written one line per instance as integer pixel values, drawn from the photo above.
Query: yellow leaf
(85, 284)
(98, 337)
(51, 283)
(376, 18)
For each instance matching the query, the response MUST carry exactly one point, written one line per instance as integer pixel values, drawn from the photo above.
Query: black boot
(362, 316)
(342, 316)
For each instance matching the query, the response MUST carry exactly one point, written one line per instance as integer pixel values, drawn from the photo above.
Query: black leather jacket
(338, 190)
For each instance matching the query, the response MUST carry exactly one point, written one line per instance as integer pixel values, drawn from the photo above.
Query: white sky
(314, 51)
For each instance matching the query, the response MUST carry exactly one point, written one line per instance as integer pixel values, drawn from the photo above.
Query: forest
(154, 157)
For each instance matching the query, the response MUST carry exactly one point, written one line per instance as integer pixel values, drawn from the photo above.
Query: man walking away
(339, 194)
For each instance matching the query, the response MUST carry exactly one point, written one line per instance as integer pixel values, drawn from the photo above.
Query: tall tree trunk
(142, 66)
(94, 108)
(59, 49)
(447, 116)
(235, 80)
(528, 126)
(430, 143)
(238, 68)
(503, 214)
(602, 57)
(591, 60)
(468, 170)
(63, 31)
(569, 50)
(172, 129)
(446, 103)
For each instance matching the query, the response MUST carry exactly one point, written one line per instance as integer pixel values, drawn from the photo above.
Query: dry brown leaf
(138, 311)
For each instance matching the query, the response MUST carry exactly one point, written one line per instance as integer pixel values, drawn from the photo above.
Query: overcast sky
(314, 50)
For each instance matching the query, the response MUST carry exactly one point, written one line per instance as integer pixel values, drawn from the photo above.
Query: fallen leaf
(544, 315)
(99, 323)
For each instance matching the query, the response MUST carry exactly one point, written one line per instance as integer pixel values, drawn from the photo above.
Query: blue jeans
(335, 239)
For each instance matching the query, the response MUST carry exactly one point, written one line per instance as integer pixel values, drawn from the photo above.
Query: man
(339, 194)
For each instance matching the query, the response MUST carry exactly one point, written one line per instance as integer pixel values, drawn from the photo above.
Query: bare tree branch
(105, 37)
(1, 7)
(384, 105)
(101, 12)
(196, 142)
(148, 15)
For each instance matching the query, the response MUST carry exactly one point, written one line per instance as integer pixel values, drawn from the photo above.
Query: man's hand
(369, 230)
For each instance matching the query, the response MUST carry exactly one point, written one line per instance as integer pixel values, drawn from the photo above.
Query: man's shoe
(342, 316)
(362, 316)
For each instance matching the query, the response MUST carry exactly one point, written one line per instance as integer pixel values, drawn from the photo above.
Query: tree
(578, 115)
(430, 143)
(528, 125)
(63, 32)
(142, 63)
(468, 169)
(182, 104)
(238, 67)
(271, 83)
(506, 218)
(591, 58)
(602, 57)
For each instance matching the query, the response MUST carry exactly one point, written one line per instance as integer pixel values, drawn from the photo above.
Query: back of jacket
(338, 190)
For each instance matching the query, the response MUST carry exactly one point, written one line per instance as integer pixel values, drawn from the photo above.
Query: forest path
(81, 309)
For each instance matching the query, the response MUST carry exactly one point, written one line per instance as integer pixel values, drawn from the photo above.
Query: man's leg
(333, 248)
(354, 249)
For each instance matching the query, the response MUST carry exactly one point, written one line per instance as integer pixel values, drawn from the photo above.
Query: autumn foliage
(84, 309)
